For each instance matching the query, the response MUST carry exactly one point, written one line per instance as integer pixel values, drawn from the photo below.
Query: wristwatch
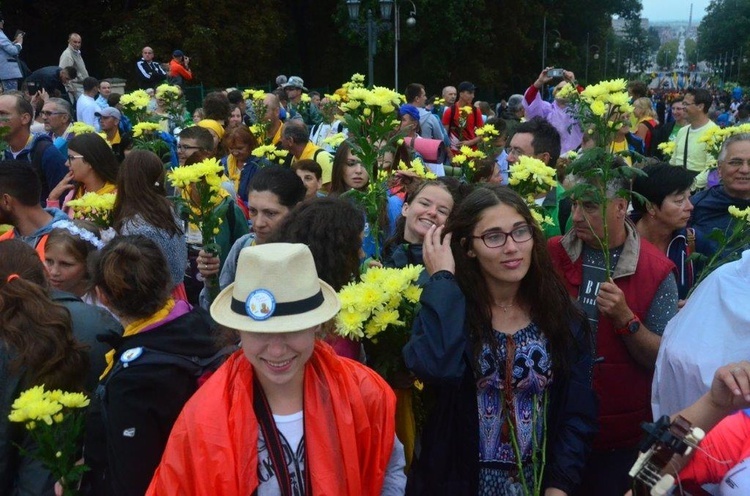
(631, 327)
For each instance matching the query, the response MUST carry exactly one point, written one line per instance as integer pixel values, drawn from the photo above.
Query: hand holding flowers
(55, 421)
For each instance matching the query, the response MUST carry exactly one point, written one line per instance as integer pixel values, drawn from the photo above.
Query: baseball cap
(466, 86)
(109, 112)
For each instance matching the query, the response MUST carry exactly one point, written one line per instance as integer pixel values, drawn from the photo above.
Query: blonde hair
(642, 108)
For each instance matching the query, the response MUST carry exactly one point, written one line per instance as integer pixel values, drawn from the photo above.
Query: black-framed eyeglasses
(47, 113)
(184, 148)
(73, 157)
(497, 239)
(516, 152)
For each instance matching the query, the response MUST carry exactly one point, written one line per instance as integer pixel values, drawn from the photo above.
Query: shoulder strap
(317, 152)
(687, 138)
(648, 125)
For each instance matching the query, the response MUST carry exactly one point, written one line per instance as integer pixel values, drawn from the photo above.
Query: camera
(555, 73)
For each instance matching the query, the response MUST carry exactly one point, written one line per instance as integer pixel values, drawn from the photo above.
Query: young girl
(67, 250)
(506, 355)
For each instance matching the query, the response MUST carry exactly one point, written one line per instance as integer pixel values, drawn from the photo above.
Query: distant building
(618, 25)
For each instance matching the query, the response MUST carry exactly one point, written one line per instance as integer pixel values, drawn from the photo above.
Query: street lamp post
(373, 27)
(595, 56)
(411, 21)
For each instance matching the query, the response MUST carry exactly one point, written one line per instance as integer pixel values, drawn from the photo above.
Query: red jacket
(623, 387)
(349, 417)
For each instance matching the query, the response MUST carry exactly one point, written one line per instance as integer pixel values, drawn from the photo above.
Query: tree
(724, 33)
(667, 54)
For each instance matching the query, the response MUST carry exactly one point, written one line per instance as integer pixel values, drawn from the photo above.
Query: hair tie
(12, 277)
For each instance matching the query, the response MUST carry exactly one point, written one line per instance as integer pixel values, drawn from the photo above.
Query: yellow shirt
(621, 146)
(324, 159)
(277, 136)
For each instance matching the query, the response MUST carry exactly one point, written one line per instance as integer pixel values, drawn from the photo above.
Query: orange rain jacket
(349, 414)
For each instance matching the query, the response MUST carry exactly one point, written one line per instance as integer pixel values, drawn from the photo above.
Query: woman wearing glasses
(92, 167)
(505, 354)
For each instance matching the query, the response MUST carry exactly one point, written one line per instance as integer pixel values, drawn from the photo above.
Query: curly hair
(138, 291)
(141, 191)
(541, 289)
(36, 330)
(332, 229)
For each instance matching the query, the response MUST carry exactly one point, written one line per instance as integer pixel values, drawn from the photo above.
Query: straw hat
(276, 289)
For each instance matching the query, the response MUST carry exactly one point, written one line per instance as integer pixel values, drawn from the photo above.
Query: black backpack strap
(38, 147)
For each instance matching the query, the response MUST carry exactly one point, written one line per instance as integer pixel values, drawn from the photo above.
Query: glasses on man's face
(47, 113)
(73, 157)
(496, 239)
(185, 148)
(736, 163)
(514, 151)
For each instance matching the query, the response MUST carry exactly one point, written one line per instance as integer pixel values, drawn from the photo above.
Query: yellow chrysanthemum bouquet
(600, 110)
(468, 160)
(371, 119)
(148, 136)
(271, 153)
(257, 103)
(135, 105)
(202, 202)
(174, 103)
(530, 177)
(95, 208)
(55, 422)
(79, 128)
(380, 310)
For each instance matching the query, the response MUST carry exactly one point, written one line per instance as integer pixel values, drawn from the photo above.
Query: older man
(275, 125)
(71, 56)
(710, 206)
(309, 113)
(150, 72)
(16, 114)
(57, 115)
(109, 121)
(628, 314)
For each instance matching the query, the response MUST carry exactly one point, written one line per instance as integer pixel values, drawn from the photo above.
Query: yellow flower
(136, 100)
(251, 94)
(335, 140)
(73, 400)
(598, 108)
(79, 128)
(168, 92)
(740, 214)
(413, 293)
(147, 128)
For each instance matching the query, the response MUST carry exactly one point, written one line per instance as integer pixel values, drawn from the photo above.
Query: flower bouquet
(148, 136)
(372, 201)
(271, 153)
(380, 309)
(55, 421)
(599, 109)
(530, 177)
(171, 95)
(95, 208)
(202, 202)
(257, 103)
(468, 159)
(135, 105)
(79, 128)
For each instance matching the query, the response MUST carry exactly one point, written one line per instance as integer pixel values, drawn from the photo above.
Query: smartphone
(31, 88)
(555, 73)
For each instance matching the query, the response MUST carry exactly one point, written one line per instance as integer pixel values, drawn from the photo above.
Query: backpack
(478, 121)
(656, 138)
(200, 368)
(636, 143)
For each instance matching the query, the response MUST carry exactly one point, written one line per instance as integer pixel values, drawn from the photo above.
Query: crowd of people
(536, 365)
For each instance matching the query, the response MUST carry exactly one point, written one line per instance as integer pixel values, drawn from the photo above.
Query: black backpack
(657, 137)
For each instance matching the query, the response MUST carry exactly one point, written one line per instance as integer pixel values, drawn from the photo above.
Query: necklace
(504, 307)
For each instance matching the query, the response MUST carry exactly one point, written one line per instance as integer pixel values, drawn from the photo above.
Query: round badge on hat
(260, 304)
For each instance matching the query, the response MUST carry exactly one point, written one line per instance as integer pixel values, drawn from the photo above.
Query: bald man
(71, 56)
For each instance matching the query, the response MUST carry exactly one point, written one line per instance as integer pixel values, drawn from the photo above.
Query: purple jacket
(567, 125)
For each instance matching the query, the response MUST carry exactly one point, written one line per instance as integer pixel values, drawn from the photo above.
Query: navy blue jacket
(439, 353)
(710, 209)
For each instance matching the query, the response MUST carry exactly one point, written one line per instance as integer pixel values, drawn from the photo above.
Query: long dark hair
(542, 290)
(338, 186)
(98, 153)
(36, 330)
(141, 191)
(331, 228)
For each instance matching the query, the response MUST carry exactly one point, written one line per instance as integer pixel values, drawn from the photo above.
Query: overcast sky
(673, 10)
